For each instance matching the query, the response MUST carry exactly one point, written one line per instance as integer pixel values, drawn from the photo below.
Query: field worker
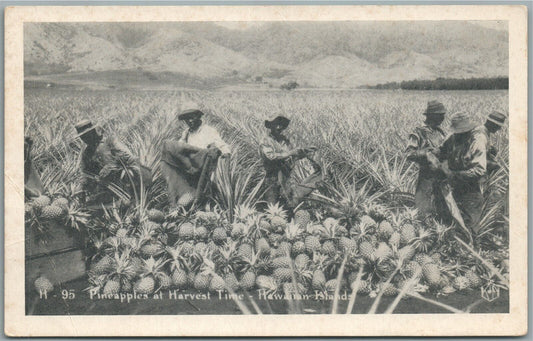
(33, 186)
(428, 138)
(183, 161)
(279, 159)
(493, 124)
(110, 169)
(464, 163)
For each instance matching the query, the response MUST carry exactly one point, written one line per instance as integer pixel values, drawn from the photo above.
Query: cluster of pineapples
(46, 209)
(267, 250)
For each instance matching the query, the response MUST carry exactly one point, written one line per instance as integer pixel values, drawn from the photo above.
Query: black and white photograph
(266, 167)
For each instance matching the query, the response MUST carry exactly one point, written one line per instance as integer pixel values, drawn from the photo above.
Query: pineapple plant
(302, 218)
(377, 212)
(385, 230)
(219, 235)
(248, 280)
(40, 202)
(51, 212)
(111, 287)
(366, 249)
(312, 244)
(383, 251)
(237, 230)
(152, 272)
(461, 283)
(186, 199)
(186, 231)
(43, 285)
(407, 233)
(277, 216)
(200, 233)
(329, 248)
(178, 267)
(432, 274)
(156, 215)
(103, 265)
(282, 275)
(388, 289)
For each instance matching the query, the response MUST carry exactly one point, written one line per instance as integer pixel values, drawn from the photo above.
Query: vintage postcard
(266, 171)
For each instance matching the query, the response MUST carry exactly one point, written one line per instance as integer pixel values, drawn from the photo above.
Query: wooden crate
(57, 254)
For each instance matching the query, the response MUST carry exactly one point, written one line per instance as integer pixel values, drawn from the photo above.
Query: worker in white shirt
(183, 160)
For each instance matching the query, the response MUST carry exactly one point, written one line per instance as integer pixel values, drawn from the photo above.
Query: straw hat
(83, 127)
(435, 107)
(497, 118)
(462, 123)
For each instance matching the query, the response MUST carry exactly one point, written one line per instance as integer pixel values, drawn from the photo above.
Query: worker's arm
(477, 165)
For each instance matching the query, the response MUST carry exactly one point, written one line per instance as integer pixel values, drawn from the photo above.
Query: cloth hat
(435, 107)
(281, 120)
(189, 114)
(83, 127)
(462, 123)
(497, 118)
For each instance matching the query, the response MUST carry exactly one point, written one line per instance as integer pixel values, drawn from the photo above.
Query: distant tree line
(448, 84)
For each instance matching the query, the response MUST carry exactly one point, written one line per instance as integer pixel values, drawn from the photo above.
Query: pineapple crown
(275, 210)
(293, 231)
(154, 267)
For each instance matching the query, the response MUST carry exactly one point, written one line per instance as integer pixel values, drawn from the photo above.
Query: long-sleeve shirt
(422, 138)
(274, 156)
(204, 136)
(467, 158)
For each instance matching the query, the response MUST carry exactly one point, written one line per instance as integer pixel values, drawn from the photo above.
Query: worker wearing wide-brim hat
(495, 121)
(184, 160)
(464, 157)
(279, 157)
(426, 139)
(102, 163)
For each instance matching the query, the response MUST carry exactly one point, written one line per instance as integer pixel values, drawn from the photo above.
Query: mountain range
(315, 54)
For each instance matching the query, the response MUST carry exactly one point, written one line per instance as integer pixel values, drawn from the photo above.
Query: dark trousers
(470, 201)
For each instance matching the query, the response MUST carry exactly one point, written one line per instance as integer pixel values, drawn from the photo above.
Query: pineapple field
(356, 245)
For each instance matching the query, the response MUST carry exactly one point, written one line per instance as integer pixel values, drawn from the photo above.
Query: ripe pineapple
(407, 233)
(216, 283)
(245, 250)
(364, 287)
(232, 282)
(145, 285)
(165, 281)
(277, 224)
(237, 230)
(312, 244)
(298, 248)
(328, 248)
(319, 280)
(219, 235)
(282, 275)
(388, 289)
(406, 253)
(43, 285)
(201, 282)
(385, 230)
(367, 222)
(200, 247)
(186, 199)
(248, 280)
(112, 287)
(461, 283)
(156, 216)
(51, 212)
(394, 240)
(474, 279)
(179, 278)
(200, 233)
(40, 202)
(301, 261)
(62, 203)
(285, 248)
(423, 259)
(431, 274)
(262, 246)
(152, 249)
(281, 262)
(104, 265)
(366, 249)
(186, 231)
(302, 218)
(412, 268)
(331, 285)
(348, 245)
(377, 212)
